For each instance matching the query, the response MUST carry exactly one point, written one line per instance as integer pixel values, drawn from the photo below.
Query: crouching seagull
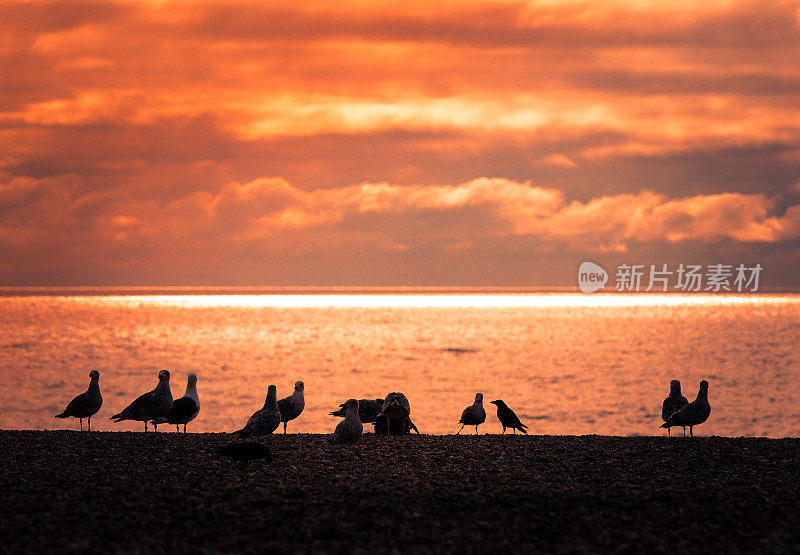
(368, 410)
(245, 452)
(350, 429)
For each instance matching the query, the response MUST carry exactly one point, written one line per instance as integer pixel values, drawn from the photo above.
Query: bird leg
(155, 426)
(462, 427)
(691, 434)
(684, 431)
(145, 426)
(184, 428)
(476, 430)
(504, 431)
(284, 426)
(177, 427)
(669, 432)
(90, 423)
(81, 419)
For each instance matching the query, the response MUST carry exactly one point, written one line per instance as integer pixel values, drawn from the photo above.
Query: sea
(567, 363)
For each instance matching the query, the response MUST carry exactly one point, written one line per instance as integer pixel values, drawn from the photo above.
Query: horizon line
(105, 290)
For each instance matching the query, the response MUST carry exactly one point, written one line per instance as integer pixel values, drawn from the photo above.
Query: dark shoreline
(65, 491)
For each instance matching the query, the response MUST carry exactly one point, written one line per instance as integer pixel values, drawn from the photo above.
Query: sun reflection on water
(438, 300)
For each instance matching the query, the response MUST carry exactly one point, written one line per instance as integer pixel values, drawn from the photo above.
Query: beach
(65, 491)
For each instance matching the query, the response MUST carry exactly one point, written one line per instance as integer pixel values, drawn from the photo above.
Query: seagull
(291, 407)
(395, 416)
(508, 418)
(673, 403)
(368, 410)
(150, 406)
(473, 415)
(692, 414)
(185, 409)
(86, 404)
(245, 452)
(265, 420)
(350, 429)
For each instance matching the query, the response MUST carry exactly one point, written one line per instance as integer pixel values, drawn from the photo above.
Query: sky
(243, 142)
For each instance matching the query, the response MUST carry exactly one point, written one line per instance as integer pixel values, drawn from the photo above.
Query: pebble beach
(101, 492)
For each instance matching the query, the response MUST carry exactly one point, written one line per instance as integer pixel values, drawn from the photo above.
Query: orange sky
(378, 143)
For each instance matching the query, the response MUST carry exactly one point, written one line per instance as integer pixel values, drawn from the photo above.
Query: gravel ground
(63, 491)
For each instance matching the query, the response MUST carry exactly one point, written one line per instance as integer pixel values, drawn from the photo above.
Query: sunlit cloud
(134, 132)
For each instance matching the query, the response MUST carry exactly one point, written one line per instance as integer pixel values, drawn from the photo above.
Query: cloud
(271, 217)
(135, 132)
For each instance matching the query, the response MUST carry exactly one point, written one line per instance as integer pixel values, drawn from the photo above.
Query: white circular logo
(591, 277)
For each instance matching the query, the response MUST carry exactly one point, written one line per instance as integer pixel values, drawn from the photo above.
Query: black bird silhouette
(673, 403)
(507, 417)
(245, 451)
(692, 414)
(86, 404)
(368, 410)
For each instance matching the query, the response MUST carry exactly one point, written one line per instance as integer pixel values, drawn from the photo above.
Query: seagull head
(299, 386)
(192, 378)
(351, 404)
(163, 375)
(675, 386)
(703, 386)
(479, 397)
(94, 374)
(498, 402)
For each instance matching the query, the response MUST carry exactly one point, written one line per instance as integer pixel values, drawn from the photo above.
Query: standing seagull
(692, 414)
(350, 429)
(508, 418)
(673, 403)
(473, 415)
(150, 406)
(86, 404)
(291, 407)
(185, 409)
(265, 420)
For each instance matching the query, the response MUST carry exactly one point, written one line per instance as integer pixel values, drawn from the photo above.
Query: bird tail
(244, 433)
(62, 415)
(340, 412)
(665, 425)
(523, 429)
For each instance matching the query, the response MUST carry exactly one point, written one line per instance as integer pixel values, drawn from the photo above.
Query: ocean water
(566, 363)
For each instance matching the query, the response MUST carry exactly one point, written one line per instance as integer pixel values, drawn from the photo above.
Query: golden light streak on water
(437, 301)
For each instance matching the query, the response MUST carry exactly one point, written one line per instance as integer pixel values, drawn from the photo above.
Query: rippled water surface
(566, 363)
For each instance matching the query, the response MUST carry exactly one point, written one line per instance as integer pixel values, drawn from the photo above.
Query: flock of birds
(159, 407)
